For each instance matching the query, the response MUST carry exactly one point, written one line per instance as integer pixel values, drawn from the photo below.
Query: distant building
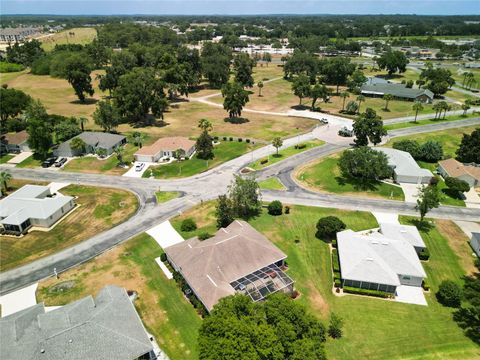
(237, 259)
(377, 262)
(165, 147)
(475, 243)
(405, 168)
(398, 91)
(33, 205)
(466, 172)
(12, 35)
(14, 142)
(107, 327)
(94, 140)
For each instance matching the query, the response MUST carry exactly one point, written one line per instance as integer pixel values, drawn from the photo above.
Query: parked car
(60, 162)
(324, 121)
(49, 162)
(139, 166)
(345, 132)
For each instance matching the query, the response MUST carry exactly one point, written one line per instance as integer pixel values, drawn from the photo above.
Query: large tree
(224, 211)
(244, 196)
(393, 61)
(13, 102)
(368, 127)
(364, 164)
(77, 73)
(140, 93)
(301, 87)
(121, 63)
(243, 66)
(337, 70)
(427, 198)
(25, 53)
(301, 63)
(469, 149)
(204, 144)
(234, 98)
(319, 91)
(106, 115)
(437, 80)
(215, 60)
(276, 329)
(39, 128)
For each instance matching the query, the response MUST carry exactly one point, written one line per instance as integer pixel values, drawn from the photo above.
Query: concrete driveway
(17, 159)
(410, 191)
(165, 235)
(18, 300)
(137, 174)
(472, 200)
(410, 295)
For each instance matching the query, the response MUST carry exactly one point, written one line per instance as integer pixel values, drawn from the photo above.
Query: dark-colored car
(49, 162)
(60, 162)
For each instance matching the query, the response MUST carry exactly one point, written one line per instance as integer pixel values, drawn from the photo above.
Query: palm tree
(138, 138)
(205, 125)
(82, 120)
(260, 86)
(437, 107)
(344, 95)
(468, 79)
(466, 107)
(360, 99)
(417, 106)
(5, 177)
(387, 98)
(119, 151)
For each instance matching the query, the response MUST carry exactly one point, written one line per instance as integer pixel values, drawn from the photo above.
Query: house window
(406, 277)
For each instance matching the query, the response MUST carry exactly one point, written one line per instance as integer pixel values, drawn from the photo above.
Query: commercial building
(12, 35)
(398, 91)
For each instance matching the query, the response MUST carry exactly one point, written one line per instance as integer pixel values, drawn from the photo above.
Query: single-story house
(475, 243)
(407, 233)
(405, 168)
(94, 140)
(165, 147)
(33, 205)
(374, 80)
(15, 142)
(398, 91)
(104, 327)
(237, 259)
(377, 262)
(466, 172)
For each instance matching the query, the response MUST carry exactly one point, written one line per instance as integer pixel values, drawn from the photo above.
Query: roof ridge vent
(369, 259)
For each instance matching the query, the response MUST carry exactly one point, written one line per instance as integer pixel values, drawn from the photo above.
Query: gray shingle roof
(376, 258)
(408, 233)
(95, 139)
(397, 90)
(210, 266)
(107, 327)
(30, 202)
(404, 164)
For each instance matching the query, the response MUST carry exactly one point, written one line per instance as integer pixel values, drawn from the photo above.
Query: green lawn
(4, 158)
(324, 175)
(31, 162)
(271, 184)
(284, 154)
(428, 122)
(164, 196)
(164, 310)
(225, 151)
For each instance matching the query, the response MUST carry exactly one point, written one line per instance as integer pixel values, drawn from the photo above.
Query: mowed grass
(373, 328)
(82, 36)
(225, 151)
(4, 158)
(284, 154)
(164, 311)
(164, 196)
(98, 209)
(324, 176)
(429, 121)
(272, 183)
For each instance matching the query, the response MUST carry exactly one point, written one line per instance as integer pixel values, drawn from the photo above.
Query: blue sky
(235, 7)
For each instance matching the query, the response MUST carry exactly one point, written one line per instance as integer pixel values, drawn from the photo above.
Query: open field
(82, 36)
(225, 151)
(98, 209)
(324, 176)
(284, 154)
(164, 310)
(271, 184)
(429, 121)
(401, 331)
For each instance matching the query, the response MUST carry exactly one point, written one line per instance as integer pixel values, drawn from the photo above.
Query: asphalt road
(195, 189)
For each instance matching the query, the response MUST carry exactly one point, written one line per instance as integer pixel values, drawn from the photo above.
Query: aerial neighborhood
(239, 187)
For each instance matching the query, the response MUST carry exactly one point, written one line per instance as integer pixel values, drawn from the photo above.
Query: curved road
(195, 189)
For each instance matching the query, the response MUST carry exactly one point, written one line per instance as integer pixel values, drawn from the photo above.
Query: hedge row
(424, 254)
(425, 285)
(225, 138)
(335, 262)
(376, 293)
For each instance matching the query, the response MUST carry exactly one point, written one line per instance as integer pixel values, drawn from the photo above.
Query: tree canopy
(393, 61)
(368, 127)
(13, 102)
(364, 164)
(469, 149)
(234, 98)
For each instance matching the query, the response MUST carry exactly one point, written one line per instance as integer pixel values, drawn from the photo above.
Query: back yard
(99, 209)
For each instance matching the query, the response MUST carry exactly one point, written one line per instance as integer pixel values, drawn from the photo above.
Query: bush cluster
(327, 227)
(449, 294)
(275, 208)
(430, 151)
(376, 293)
(188, 225)
(424, 254)
(300, 146)
(263, 161)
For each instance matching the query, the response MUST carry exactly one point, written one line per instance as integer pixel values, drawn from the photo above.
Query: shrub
(337, 283)
(163, 257)
(224, 138)
(231, 138)
(334, 243)
(376, 293)
(287, 209)
(300, 146)
(327, 227)
(335, 262)
(247, 141)
(424, 254)
(263, 161)
(449, 294)
(6, 67)
(204, 235)
(410, 146)
(275, 208)
(431, 151)
(425, 285)
(215, 138)
(240, 139)
(335, 327)
(457, 185)
(188, 225)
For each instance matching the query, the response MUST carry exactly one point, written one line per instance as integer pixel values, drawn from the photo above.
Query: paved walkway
(165, 235)
(472, 200)
(18, 300)
(410, 295)
(390, 218)
(165, 270)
